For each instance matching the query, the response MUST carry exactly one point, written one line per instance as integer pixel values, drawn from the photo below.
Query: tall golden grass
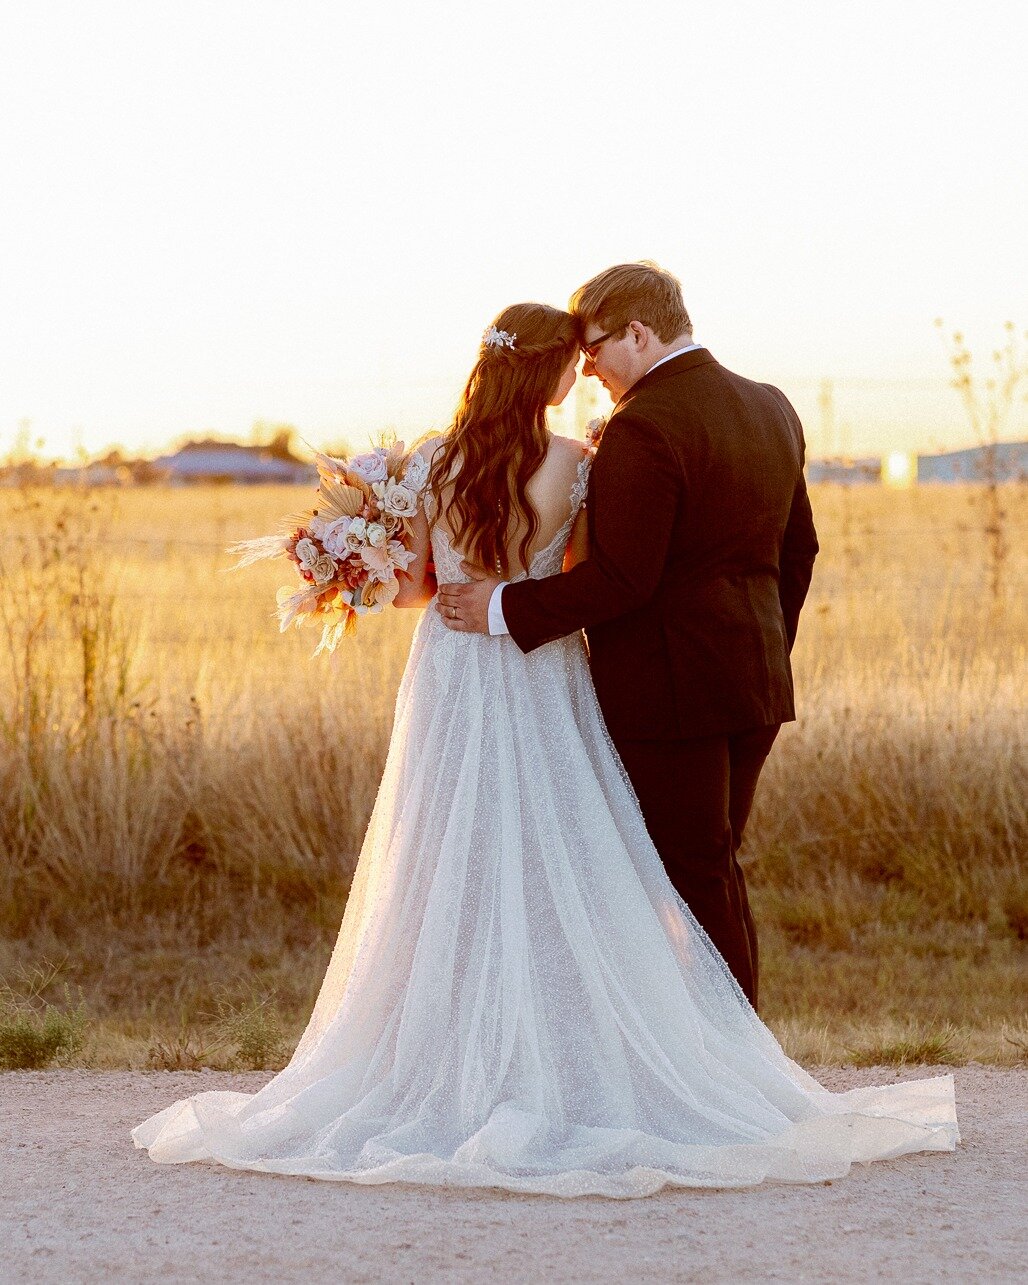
(183, 791)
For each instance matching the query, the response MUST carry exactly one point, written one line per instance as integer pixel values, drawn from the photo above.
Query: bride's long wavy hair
(497, 438)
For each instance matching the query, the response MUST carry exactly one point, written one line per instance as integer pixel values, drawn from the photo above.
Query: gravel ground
(79, 1203)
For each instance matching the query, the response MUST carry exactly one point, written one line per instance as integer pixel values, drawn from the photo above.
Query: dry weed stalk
(988, 408)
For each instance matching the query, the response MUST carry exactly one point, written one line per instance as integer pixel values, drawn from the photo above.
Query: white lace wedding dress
(518, 997)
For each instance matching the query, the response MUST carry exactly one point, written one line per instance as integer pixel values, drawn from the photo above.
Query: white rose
(317, 527)
(333, 537)
(399, 500)
(357, 535)
(324, 570)
(376, 534)
(307, 553)
(415, 475)
(371, 466)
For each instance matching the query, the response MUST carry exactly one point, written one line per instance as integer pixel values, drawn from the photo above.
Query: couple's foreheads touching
(624, 319)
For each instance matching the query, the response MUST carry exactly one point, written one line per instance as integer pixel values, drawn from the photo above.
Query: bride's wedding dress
(518, 997)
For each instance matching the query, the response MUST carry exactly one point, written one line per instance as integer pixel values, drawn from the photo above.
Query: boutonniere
(594, 431)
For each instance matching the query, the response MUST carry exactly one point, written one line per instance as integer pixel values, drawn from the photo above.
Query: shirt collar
(672, 355)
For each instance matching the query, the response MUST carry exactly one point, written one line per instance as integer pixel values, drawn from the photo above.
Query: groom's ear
(641, 334)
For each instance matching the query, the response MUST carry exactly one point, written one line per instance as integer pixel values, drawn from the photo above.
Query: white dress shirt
(497, 624)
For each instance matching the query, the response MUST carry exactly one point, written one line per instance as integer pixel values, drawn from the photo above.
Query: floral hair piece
(494, 338)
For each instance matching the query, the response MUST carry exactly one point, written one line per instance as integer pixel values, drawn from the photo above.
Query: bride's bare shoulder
(428, 444)
(567, 450)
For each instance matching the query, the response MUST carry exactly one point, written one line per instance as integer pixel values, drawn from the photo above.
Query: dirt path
(79, 1203)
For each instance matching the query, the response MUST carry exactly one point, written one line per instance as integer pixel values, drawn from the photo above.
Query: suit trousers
(696, 797)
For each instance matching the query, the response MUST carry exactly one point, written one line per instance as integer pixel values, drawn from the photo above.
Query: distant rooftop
(212, 460)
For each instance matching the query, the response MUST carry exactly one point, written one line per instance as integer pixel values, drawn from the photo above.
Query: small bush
(915, 1046)
(30, 1041)
(254, 1028)
(33, 1032)
(180, 1051)
(1019, 1042)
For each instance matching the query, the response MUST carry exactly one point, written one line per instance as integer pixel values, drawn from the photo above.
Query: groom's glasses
(591, 349)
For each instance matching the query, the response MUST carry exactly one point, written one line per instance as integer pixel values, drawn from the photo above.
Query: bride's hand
(465, 607)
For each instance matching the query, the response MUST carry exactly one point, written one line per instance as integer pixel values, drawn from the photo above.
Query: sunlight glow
(899, 469)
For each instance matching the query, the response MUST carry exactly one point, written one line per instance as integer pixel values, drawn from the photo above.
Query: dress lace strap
(580, 486)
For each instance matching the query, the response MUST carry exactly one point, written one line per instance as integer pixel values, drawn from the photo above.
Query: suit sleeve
(634, 490)
(799, 548)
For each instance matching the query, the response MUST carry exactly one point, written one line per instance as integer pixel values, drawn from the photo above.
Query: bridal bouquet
(351, 549)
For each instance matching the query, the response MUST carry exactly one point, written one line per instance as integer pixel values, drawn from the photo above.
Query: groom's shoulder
(743, 384)
(706, 400)
(781, 399)
(752, 391)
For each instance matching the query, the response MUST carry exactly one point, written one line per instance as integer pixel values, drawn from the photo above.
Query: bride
(518, 997)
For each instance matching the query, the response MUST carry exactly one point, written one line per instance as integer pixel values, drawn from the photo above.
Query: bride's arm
(578, 545)
(417, 587)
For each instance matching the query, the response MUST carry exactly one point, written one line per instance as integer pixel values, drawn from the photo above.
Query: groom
(701, 547)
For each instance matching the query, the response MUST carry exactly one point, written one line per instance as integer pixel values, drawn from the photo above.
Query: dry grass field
(183, 791)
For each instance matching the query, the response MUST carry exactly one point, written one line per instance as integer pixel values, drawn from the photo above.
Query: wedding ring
(453, 613)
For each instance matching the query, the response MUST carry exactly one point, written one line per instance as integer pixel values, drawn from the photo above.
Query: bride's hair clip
(494, 338)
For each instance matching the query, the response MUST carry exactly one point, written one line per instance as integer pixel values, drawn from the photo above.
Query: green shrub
(915, 1045)
(254, 1028)
(34, 1032)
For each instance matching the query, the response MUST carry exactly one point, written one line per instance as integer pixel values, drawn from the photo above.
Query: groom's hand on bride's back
(465, 607)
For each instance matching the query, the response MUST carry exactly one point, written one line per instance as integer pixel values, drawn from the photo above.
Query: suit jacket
(701, 547)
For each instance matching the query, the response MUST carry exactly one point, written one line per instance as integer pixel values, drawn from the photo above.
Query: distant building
(846, 472)
(972, 465)
(212, 461)
(195, 462)
(112, 470)
(98, 473)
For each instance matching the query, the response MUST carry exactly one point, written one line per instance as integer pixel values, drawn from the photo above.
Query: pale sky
(307, 212)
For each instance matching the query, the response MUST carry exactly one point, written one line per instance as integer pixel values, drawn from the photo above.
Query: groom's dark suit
(701, 546)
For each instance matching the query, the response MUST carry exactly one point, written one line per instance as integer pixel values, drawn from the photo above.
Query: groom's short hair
(641, 291)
